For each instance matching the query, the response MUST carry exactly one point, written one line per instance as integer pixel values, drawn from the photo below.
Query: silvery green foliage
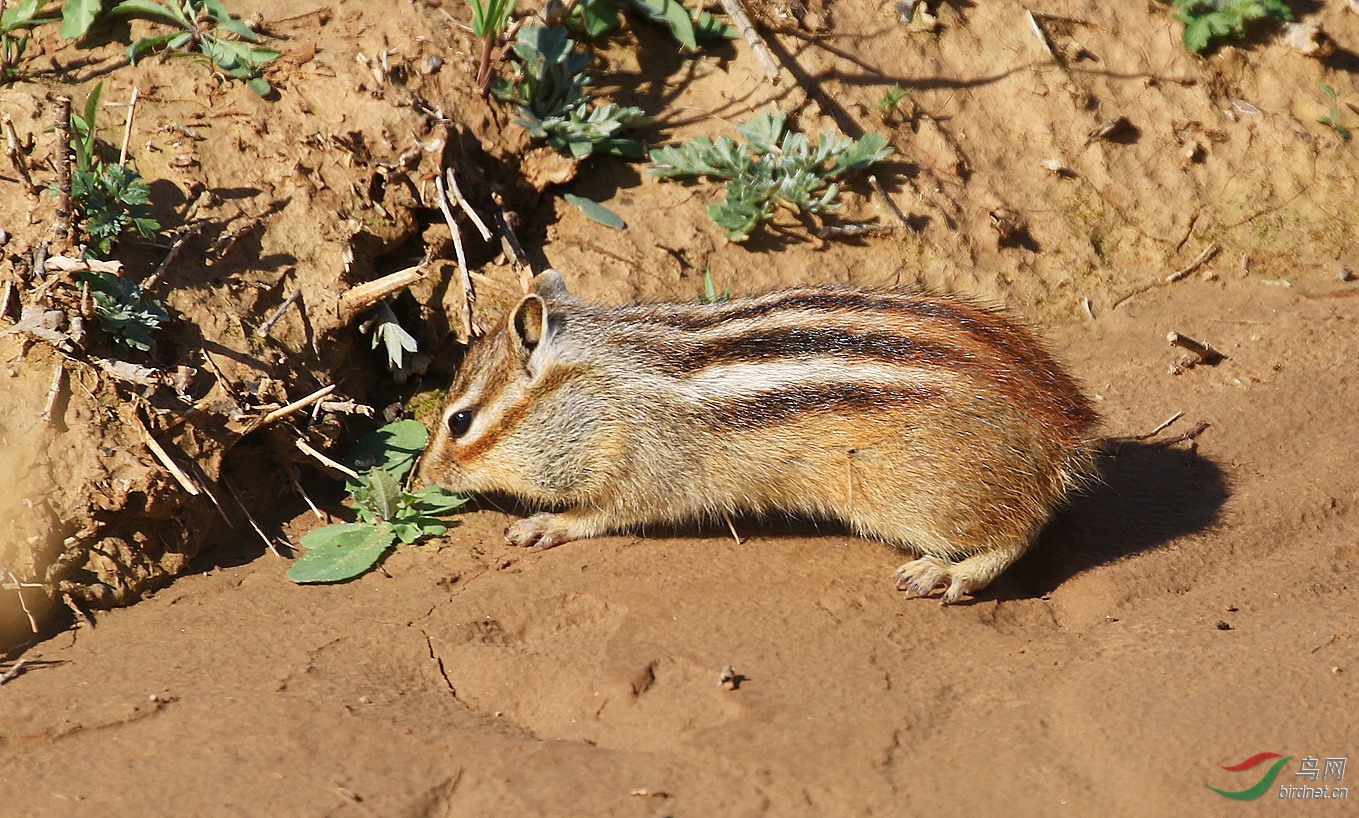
(553, 105)
(774, 166)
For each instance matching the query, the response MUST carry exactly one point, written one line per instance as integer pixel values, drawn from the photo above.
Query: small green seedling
(686, 26)
(892, 97)
(108, 198)
(24, 16)
(489, 19)
(550, 93)
(1332, 116)
(710, 294)
(772, 167)
(1207, 22)
(203, 24)
(123, 310)
(386, 512)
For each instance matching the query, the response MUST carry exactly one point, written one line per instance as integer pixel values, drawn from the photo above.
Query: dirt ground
(1193, 609)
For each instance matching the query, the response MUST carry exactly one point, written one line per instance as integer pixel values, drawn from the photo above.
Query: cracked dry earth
(1195, 608)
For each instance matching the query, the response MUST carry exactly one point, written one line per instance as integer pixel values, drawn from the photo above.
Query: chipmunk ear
(550, 284)
(528, 325)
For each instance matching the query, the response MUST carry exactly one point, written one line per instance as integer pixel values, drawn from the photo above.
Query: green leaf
(389, 333)
(384, 492)
(595, 212)
(260, 86)
(672, 14)
(151, 9)
(77, 16)
(598, 16)
(433, 501)
(340, 552)
(393, 447)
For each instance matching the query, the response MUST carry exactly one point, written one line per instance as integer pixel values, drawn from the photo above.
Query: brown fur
(923, 420)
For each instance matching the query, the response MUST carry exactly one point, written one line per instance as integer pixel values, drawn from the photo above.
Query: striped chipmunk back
(927, 421)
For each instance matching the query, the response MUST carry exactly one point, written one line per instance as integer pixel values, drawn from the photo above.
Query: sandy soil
(1194, 609)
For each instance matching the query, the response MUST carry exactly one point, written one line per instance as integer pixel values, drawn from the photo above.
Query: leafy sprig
(773, 167)
(549, 90)
(386, 512)
(1207, 22)
(123, 310)
(203, 25)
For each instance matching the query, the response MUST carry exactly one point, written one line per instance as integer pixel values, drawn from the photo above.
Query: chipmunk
(923, 420)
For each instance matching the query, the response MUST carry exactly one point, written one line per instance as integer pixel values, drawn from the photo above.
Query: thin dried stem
(466, 208)
(127, 127)
(295, 406)
(469, 295)
(1199, 260)
(263, 331)
(753, 38)
(16, 156)
(168, 462)
(311, 451)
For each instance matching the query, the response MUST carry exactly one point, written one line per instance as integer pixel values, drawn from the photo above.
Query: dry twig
(362, 296)
(469, 295)
(185, 481)
(311, 451)
(17, 668)
(466, 208)
(178, 245)
(54, 393)
(268, 543)
(263, 331)
(753, 38)
(294, 407)
(1199, 260)
(1199, 428)
(891, 205)
(16, 156)
(127, 127)
(1204, 351)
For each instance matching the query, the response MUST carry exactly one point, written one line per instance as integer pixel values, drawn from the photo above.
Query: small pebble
(1222, 625)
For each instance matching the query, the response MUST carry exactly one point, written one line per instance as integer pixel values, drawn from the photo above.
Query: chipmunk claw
(924, 576)
(539, 531)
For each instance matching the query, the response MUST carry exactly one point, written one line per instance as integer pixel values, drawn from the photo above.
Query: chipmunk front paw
(539, 531)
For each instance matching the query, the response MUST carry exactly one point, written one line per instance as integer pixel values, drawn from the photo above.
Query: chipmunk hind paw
(924, 576)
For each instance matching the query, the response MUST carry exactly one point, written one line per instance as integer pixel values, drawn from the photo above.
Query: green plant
(395, 341)
(108, 198)
(489, 19)
(1207, 21)
(386, 512)
(123, 310)
(549, 90)
(688, 28)
(887, 105)
(772, 167)
(203, 24)
(22, 17)
(710, 294)
(111, 199)
(1332, 116)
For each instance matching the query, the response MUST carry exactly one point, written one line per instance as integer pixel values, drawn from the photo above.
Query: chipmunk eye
(459, 423)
